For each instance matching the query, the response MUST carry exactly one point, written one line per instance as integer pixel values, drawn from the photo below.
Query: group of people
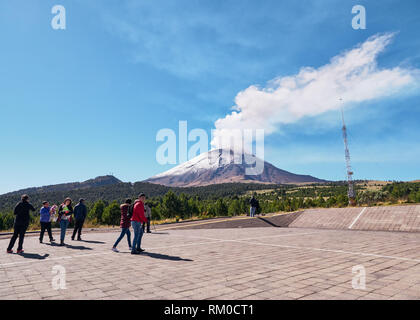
(135, 215)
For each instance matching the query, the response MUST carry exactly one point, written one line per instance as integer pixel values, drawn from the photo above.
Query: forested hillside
(228, 199)
(120, 191)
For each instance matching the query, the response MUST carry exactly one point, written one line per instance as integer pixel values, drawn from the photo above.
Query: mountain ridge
(95, 182)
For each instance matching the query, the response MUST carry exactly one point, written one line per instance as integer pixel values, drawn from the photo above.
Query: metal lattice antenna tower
(350, 192)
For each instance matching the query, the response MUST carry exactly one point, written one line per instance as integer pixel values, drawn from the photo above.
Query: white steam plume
(352, 75)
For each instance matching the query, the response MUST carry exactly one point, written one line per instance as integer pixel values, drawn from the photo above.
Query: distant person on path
(45, 220)
(124, 225)
(137, 219)
(80, 212)
(21, 223)
(148, 215)
(254, 205)
(64, 216)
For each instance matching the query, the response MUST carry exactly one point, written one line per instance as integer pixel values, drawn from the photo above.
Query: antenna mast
(350, 192)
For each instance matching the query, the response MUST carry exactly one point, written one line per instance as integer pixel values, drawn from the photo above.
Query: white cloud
(353, 76)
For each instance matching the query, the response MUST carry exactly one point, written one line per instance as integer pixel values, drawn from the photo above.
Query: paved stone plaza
(240, 263)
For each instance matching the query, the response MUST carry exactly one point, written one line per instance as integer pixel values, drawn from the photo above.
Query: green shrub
(112, 214)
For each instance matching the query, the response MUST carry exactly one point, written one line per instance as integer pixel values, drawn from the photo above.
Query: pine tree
(96, 213)
(112, 214)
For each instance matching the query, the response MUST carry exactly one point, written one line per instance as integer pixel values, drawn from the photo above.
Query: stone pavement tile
(385, 291)
(94, 294)
(33, 295)
(334, 291)
(8, 294)
(189, 287)
(110, 288)
(267, 294)
(9, 297)
(125, 286)
(114, 292)
(124, 296)
(201, 295)
(251, 290)
(372, 296)
(234, 295)
(357, 292)
(237, 287)
(24, 289)
(42, 285)
(413, 291)
(207, 292)
(403, 296)
(296, 284)
(5, 290)
(345, 296)
(295, 294)
(47, 293)
(276, 292)
(218, 291)
(168, 286)
(256, 297)
(103, 286)
(54, 298)
(316, 296)
(170, 296)
(310, 281)
(322, 285)
(19, 283)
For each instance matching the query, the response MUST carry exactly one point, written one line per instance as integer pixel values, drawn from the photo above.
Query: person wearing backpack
(254, 205)
(64, 217)
(137, 219)
(21, 223)
(124, 225)
(80, 212)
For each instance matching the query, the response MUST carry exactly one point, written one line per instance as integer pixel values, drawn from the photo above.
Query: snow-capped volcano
(223, 166)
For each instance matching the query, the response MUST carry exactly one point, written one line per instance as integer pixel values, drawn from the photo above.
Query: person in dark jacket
(125, 225)
(80, 212)
(254, 206)
(21, 223)
(64, 216)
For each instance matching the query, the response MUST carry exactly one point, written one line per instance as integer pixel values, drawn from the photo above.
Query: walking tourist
(124, 225)
(21, 223)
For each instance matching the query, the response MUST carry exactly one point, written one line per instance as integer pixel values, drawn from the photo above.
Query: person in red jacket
(125, 225)
(137, 219)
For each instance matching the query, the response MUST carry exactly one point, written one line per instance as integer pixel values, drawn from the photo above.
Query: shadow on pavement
(34, 256)
(92, 241)
(164, 256)
(269, 222)
(52, 244)
(77, 247)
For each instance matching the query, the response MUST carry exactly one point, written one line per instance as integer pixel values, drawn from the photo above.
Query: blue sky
(89, 100)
